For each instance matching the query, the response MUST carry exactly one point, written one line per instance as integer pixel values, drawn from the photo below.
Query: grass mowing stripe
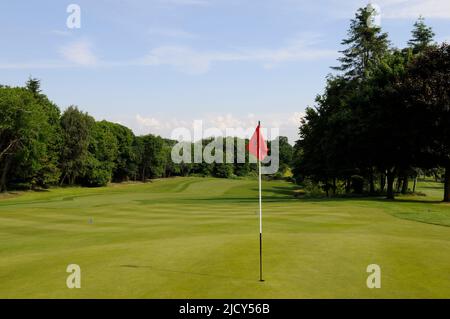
(198, 238)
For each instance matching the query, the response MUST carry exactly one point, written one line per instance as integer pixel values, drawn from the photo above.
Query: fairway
(198, 238)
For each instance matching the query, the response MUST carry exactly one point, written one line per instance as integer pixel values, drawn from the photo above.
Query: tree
(366, 44)
(422, 36)
(34, 86)
(310, 149)
(427, 91)
(329, 145)
(387, 124)
(76, 129)
(125, 165)
(40, 147)
(151, 156)
(103, 152)
(48, 172)
(22, 131)
(285, 153)
(361, 125)
(223, 170)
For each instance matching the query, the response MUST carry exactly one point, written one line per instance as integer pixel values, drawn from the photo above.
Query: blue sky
(160, 64)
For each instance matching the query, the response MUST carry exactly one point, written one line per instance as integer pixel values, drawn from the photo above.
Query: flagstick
(260, 205)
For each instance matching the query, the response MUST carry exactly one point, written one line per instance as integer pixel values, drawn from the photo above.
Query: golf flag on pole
(257, 139)
(257, 146)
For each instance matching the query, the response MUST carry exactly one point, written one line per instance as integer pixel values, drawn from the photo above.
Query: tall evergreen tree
(422, 36)
(366, 44)
(48, 172)
(33, 85)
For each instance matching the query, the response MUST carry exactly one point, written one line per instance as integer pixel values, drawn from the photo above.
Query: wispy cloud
(187, 59)
(391, 9)
(406, 9)
(187, 2)
(63, 33)
(184, 59)
(34, 65)
(171, 33)
(80, 53)
(397, 9)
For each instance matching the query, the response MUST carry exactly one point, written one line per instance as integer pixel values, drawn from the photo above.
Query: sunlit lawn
(198, 238)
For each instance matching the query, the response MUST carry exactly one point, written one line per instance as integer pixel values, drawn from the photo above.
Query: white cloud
(287, 123)
(223, 122)
(152, 124)
(148, 122)
(79, 52)
(296, 118)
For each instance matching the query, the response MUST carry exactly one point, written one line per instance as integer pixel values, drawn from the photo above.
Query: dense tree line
(40, 147)
(383, 118)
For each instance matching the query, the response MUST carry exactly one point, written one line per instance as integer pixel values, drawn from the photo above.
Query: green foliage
(26, 139)
(125, 166)
(383, 119)
(427, 92)
(285, 151)
(76, 128)
(366, 45)
(223, 170)
(103, 152)
(151, 156)
(34, 86)
(422, 36)
(49, 172)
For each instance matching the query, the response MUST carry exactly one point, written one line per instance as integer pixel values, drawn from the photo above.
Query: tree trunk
(405, 185)
(382, 182)
(63, 179)
(371, 183)
(334, 186)
(415, 184)
(447, 184)
(347, 185)
(390, 185)
(71, 179)
(398, 186)
(4, 175)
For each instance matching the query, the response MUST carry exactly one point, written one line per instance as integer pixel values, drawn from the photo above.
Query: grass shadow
(179, 271)
(368, 198)
(265, 199)
(282, 190)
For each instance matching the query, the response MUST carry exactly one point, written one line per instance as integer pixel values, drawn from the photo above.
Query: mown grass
(198, 238)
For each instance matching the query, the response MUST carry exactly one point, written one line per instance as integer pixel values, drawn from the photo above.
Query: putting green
(198, 238)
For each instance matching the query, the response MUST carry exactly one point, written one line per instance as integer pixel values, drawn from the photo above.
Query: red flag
(253, 144)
